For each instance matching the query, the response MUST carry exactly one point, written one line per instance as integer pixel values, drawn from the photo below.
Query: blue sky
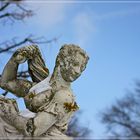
(108, 31)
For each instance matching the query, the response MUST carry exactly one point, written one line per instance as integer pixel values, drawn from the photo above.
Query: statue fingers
(33, 50)
(30, 48)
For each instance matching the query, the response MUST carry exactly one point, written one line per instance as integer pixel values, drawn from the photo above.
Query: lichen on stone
(31, 95)
(70, 106)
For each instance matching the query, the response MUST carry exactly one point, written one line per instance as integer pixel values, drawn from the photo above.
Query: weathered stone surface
(51, 100)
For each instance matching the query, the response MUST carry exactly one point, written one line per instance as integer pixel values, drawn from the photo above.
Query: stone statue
(49, 97)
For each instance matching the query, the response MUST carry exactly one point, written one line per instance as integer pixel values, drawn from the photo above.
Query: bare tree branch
(77, 130)
(23, 8)
(4, 6)
(124, 115)
(5, 93)
(14, 11)
(16, 16)
(9, 45)
(23, 74)
(127, 125)
(4, 15)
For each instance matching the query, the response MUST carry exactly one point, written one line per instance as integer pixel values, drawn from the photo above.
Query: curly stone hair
(69, 51)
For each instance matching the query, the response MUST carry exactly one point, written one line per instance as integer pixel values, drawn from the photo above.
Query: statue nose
(77, 70)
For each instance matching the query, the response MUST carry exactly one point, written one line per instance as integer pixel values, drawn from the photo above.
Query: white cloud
(85, 22)
(84, 28)
(48, 15)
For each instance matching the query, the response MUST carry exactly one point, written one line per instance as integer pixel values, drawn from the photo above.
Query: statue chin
(70, 78)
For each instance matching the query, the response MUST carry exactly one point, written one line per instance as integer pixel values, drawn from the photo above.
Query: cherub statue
(54, 105)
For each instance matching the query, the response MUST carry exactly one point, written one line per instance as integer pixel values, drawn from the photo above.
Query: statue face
(72, 67)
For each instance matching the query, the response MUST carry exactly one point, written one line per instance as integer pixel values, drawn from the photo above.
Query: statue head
(72, 61)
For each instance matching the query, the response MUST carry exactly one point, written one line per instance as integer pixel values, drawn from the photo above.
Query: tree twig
(4, 6)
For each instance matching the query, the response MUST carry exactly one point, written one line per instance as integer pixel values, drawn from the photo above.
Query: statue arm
(34, 101)
(39, 95)
(27, 126)
(9, 114)
(9, 80)
(20, 87)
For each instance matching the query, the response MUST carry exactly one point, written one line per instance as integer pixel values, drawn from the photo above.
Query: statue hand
(25, 53)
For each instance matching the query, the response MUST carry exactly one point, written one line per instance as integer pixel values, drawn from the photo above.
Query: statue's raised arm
(37, 69)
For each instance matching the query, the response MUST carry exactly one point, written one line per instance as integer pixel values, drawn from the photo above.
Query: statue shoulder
(64, 95)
